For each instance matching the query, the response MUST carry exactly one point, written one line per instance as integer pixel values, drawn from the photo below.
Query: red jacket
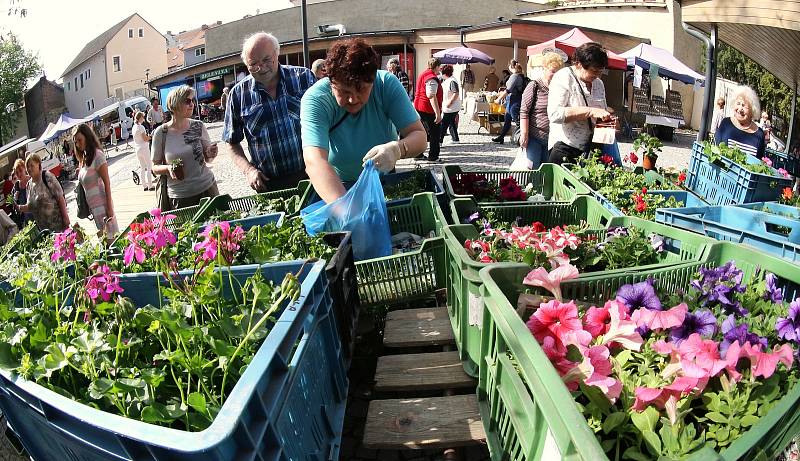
(421, 101)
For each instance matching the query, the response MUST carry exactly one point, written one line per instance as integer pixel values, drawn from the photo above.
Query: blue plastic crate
(432, 184)
(730, 183)
(288, 404)
(688, 199)
(247, 223)
(768, 232)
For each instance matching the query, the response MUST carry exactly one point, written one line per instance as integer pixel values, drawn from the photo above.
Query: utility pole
(304, 24)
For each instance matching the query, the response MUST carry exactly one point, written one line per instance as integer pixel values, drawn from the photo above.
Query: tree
(776, 97)
(17, 66)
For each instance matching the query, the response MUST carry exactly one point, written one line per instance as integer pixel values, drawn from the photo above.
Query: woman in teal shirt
(351, 116)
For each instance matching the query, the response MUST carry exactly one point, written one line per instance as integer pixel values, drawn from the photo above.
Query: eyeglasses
(261, 64)
(188, 101)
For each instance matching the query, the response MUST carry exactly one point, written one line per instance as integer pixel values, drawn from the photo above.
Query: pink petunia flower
(595, 370)
(554, 319)
(660, 320)
(784, 173)
(762, 364)
(551, 281)
(596, 320)
(767, 161)
(622, 331)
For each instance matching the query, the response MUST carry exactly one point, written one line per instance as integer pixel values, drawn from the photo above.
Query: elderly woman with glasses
(576, 101)
(740, 129)
(353, 116)
(181, 149)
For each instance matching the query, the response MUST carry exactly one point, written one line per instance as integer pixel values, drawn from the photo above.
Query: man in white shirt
(155, 116)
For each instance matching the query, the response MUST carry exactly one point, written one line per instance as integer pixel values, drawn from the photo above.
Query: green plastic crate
(226, 202)
(529, 414)
(411, 275)
(552, 181)
(580, 208)
(463, 281)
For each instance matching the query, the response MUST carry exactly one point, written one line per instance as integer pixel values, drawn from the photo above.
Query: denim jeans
(449, 121)
(537, 151)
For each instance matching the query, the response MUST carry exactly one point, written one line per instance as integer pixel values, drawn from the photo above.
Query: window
(200, 51)
(81, 80)
(141, 32)
(90, 105)
(117, 63)
(76, 84)
(68, 86)
(130, 33)
(88, 73)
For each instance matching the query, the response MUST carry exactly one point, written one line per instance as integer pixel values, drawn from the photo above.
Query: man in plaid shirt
(393, 66)
(264, 108)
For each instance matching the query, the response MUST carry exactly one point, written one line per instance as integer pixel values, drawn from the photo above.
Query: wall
(137, 54)
(360, 16)
(95, 87)
(189, 57)
(43, 104)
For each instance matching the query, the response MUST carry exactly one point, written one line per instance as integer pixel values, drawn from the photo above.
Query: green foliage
(716, 152)
(650, 146)
(414, 184)
(17, 66)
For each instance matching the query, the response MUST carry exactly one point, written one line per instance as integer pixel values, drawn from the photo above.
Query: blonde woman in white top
(141, 140)
(576, 101)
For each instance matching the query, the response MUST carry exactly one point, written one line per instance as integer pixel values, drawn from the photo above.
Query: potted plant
(650, 146)
(177, 168)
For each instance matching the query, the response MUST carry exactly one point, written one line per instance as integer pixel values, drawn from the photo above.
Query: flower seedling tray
(689, 199)
(414, 274)
(225, 202)
(730, 183)
(527, 411)
(765, 231)
(464, 298)
(288, 403)
(550, 180)
(788, 162)
(580, 208)
(432, 184)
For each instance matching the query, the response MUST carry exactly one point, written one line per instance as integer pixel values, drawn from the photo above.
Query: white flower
(536, 198)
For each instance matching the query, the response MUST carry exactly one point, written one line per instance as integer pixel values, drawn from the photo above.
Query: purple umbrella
(461, 55)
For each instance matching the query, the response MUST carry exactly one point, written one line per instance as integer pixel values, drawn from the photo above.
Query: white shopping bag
(521, 161)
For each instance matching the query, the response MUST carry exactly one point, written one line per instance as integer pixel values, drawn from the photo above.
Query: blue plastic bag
(362, 211)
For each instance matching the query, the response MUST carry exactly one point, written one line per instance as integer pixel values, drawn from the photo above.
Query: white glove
(384, 156)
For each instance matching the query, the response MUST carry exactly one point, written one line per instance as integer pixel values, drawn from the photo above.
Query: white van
(124, 113)
(50, 160)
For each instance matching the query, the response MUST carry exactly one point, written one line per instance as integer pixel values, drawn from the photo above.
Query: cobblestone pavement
(474, 152)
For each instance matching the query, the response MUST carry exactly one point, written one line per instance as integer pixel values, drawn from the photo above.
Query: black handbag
(84, 211)
(162, 194)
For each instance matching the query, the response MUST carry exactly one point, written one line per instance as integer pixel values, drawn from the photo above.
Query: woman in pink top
(93, 176)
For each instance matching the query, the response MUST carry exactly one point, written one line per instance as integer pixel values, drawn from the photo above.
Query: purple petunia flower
(638, 295)
(615, 232)
(741, 333)
(718, 286)
(789, 327)
(773, 293)
(472, 218)
(657, 242)
(701, 322)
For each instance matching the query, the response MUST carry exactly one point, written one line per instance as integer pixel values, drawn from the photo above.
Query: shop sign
(215, 73)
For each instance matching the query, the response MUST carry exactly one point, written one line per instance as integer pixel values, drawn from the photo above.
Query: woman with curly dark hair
(350, 116)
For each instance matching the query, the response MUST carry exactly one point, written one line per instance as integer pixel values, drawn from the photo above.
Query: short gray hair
(317, 65)
(257, 37)
(177, 96)
(750, 97)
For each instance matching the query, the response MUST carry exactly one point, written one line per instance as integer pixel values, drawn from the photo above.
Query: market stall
(661, 107)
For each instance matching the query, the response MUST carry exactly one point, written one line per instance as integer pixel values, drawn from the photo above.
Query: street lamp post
(147, 81)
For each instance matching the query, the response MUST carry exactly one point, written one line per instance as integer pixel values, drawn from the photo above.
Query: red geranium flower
(606, 159)
(682, 177)
(633, 157)
(539, 227)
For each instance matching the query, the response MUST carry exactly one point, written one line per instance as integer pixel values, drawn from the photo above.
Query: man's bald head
(259, 38)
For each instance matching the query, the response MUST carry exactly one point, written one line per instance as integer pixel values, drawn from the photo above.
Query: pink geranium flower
(784, 173)
(64, 246)
(660, 320)
(150, 234)
(551, 281)
(767, 161)
(103, 284)
(220, 241)
(554, 319)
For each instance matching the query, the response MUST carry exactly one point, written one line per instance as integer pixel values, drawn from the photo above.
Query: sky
(57, 30)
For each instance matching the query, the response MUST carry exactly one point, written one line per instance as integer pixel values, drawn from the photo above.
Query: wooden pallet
(415, 423)
(418, 327)
(409, 372)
